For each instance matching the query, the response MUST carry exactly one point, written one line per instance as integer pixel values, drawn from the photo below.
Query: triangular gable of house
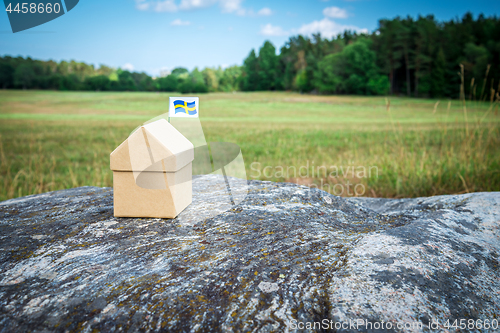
(156, 147)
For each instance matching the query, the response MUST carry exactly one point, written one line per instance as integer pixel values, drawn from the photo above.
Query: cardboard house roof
(155, 147)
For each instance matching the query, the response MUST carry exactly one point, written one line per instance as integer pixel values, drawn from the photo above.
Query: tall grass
(414, 147)
(449, 160)
(37, 159)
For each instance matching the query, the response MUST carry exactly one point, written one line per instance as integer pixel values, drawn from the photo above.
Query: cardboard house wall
(152, 172)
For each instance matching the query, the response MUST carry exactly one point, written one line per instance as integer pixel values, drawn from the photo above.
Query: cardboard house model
(152, 172)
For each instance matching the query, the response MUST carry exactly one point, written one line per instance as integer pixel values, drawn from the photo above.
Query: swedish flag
(188, 108)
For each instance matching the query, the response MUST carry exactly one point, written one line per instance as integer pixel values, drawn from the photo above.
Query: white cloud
(272, 30)
(335, 12)
(141, 5)
(265, 12)
(226, 6)
(195, 4)
(128, 67)
(326, 28)
(232, 6)
(164, 6)
(180, 22)
(164, 71)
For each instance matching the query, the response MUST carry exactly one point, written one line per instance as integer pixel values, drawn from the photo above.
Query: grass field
(396, 147)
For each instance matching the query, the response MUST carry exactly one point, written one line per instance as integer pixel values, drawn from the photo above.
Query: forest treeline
(404, 56)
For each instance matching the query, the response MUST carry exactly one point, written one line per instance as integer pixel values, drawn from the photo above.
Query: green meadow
(347, 145)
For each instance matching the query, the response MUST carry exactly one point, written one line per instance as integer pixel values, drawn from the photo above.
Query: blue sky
(151, 35)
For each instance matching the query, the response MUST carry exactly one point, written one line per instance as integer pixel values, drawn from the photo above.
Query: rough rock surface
(285, 257)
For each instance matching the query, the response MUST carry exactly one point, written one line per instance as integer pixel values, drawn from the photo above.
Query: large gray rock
(284, 258)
